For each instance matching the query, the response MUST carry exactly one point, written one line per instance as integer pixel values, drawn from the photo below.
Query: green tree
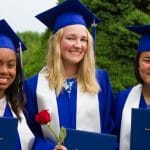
(115, 45)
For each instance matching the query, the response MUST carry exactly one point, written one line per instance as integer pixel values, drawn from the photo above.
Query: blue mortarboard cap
(8, 38)
(69, 12)
(144, 31)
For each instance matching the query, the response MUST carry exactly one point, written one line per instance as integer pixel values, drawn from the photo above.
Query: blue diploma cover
(140, 129)
(8, 133)
(82, 140)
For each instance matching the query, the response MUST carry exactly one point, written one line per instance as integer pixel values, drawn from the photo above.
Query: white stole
(133, 101)
(26, 136)
(88, 116)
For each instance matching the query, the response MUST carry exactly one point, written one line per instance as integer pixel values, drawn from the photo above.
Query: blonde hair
(86, 75)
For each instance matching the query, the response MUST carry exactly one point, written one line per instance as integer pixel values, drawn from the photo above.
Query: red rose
(43, 117)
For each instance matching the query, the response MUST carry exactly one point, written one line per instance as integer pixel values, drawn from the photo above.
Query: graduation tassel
(21, 75)
(93, 26)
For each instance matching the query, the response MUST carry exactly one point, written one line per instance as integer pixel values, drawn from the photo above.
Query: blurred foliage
(115, 45)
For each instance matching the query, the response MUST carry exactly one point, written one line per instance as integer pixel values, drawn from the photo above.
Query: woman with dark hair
(138, 96)
(12, 97)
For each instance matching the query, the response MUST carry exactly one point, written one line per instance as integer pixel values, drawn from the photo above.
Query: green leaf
(62, 135)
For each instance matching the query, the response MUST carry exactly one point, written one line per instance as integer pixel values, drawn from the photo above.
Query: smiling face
(73, 44)
(144, 67)
(7, 68)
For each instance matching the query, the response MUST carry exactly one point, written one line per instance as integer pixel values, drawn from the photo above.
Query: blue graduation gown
(7, 113)
(67, 104)
(118, 106)
(39, 142)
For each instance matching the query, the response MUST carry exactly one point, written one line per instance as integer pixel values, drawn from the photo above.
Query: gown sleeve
(118, 106)
(105, 100)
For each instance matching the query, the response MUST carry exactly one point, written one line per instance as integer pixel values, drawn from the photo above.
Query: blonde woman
(76, 94)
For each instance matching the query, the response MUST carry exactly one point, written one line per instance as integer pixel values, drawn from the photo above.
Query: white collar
(132, 101)
(3, 103)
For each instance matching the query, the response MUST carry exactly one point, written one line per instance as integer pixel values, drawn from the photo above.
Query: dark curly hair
(14, 93)
(136, 68)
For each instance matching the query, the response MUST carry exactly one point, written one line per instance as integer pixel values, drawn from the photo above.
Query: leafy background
(115, 45)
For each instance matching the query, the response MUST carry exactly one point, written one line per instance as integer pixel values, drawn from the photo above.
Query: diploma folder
(140, 129)
(83, 140)
(8, 133)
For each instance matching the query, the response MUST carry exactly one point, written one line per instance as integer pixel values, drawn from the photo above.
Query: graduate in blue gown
(11, 93)
(76, 94)
(137, 96)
